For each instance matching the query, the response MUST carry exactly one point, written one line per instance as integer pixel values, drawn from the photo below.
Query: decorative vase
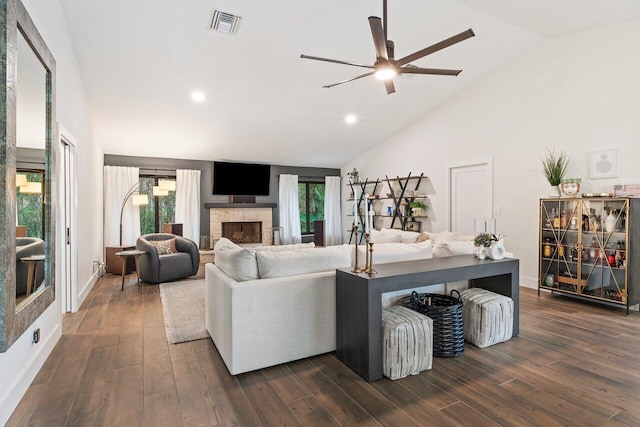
(417, 211)
(496, 250)
(554, 191)
(481, 252)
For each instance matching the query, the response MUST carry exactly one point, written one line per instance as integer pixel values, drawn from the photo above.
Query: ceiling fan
(386, 67)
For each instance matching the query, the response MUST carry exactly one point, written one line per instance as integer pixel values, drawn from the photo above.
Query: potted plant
(417, 206)
(554, 166)
(354, 175)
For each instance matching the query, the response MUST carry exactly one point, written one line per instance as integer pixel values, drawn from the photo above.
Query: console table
(359, 303)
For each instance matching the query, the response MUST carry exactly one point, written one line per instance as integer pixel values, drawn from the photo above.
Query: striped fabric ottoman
(407, 340)
(487, 316)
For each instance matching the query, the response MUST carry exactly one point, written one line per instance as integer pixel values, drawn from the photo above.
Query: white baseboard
(82, 295)
(28, 371)
(529, 282)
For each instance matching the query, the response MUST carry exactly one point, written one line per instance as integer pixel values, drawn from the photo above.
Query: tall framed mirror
(27, 171)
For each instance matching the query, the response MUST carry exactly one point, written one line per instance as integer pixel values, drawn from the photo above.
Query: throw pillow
(385, 237)
(163, 246)
(422, 237)
(443, 249)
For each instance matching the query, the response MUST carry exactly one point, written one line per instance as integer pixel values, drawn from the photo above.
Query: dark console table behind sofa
(359, 306)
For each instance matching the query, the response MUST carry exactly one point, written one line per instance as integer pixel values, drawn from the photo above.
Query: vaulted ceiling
(141, 60)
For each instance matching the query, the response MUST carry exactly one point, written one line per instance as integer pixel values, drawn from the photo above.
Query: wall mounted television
(241, 179)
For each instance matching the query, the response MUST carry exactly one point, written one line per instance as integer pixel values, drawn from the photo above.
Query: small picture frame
(604, 163)
(413, 226)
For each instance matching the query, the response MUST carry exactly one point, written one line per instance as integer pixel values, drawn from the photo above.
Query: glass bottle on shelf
(556, 219)
(618, 255)
(585, 222)
(563, 220)
(560, 250)
(574, 254)
(593, 250)
(546, 250)
(573, 224)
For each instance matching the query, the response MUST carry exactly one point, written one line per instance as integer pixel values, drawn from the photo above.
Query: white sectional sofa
(274, 304)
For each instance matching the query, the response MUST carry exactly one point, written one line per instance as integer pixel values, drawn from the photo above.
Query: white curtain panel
(118, 180)
(332, 216)
(289, 210)
(188, 203)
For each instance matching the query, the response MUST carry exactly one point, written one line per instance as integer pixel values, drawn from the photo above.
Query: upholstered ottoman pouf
(407, 342)
(487, 316)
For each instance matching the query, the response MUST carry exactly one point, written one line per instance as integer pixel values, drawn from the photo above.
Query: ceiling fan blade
(388, 84)
(378, 37)
(417, 70)
(336, 61)
(436, 47)
(348, 80)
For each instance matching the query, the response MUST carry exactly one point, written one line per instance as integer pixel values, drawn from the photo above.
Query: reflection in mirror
(31, 130)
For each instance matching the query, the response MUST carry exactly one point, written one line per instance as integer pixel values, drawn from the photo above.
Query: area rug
(183, 308)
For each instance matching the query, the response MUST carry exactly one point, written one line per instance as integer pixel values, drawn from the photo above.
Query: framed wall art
(604, 163)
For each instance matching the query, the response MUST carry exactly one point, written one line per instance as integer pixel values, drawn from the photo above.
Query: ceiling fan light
(385, 73)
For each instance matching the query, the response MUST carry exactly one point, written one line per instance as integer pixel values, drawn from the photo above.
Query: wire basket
(446, 313)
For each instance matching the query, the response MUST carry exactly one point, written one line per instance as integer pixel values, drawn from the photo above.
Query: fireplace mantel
(239, 205)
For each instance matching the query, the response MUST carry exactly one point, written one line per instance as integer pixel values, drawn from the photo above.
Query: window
(160, 210)
(30, 205)
(311, 201)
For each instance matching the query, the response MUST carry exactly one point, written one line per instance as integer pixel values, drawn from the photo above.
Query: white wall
(21, 363)
(578, 93)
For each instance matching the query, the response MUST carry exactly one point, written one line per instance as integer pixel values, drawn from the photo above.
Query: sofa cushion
(380, 237)
(443, 236)
(302, 261)
(385, 253)
(442, 248)
(405, 236)
(279, 248)
(237, 262)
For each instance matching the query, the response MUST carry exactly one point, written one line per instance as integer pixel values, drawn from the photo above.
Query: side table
(32, 264)
(136, 254)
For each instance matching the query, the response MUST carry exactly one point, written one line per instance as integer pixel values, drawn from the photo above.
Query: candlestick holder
(366, 251)
(370, 271)
(356, 269)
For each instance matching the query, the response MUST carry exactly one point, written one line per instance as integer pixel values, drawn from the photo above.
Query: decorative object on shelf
(570, 186)
(604, 163)
(354, 175)
(413, 226)
(554, 166)
(417, 207)
(489, 245)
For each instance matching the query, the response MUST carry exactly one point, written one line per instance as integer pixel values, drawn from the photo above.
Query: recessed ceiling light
(197, 96)
(350, 119)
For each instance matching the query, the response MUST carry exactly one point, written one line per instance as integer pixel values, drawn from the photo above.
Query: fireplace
(242, 232)
(244, 213)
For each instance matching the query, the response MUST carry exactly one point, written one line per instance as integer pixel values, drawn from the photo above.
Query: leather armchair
(25, 247)
(156, 268)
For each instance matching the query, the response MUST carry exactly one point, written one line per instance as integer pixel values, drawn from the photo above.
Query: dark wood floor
(573, 364)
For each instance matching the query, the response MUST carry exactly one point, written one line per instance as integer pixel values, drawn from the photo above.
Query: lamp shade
(140, 199)
(31, 188)
(167, 184)
(21, 179)
(159, 192)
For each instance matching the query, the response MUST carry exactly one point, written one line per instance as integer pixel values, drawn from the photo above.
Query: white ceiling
(140, 60)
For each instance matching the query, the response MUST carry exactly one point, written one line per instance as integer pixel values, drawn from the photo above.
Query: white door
(67, 263)
(470, 194)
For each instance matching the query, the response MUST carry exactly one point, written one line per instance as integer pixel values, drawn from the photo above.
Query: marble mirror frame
(14, 322)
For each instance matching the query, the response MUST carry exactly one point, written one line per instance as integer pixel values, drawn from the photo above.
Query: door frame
(488, 161)
(67, 179)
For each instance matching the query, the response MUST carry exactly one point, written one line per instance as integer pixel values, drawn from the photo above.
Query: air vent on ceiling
(224, 22)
